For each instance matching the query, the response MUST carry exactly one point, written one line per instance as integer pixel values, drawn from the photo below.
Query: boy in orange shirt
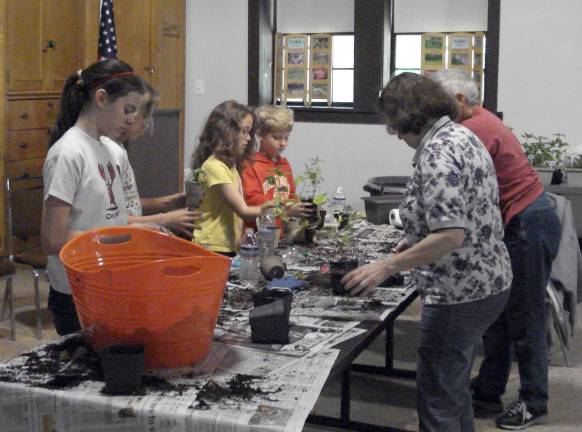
(270, 175)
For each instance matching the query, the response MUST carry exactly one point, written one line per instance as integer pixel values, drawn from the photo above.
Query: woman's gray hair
(456, 81)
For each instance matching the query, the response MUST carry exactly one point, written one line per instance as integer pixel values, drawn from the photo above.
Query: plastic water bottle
(268, 231)
(338, 202)
(249, 262)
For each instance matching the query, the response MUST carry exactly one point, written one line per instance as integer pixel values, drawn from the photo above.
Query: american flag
(107, 47)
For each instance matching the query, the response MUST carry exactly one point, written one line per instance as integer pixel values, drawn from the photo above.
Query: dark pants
(449, 337)
(64, 312)
(532, 239)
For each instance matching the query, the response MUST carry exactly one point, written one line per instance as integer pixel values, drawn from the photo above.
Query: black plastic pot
(314, 218)
(270, 318)
(338, 269)
(194, 194)
(123, 367)
(309, 235)
(267, 296)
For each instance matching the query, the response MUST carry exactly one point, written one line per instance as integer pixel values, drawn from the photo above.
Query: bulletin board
(320, 71)
(461, 51)
(296, 67)
(432, 52)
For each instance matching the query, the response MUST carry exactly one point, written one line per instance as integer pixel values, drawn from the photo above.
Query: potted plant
(309, 184)
(347, 258)
(194, 189)
(546, 155)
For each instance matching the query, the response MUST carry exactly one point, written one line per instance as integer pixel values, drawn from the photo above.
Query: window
(429, 52)
(314, 69)
(373, 23)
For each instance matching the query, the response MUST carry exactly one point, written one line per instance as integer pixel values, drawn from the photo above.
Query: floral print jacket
(454, 185)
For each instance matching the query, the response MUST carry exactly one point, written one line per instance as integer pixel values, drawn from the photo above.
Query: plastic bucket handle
(115, 238)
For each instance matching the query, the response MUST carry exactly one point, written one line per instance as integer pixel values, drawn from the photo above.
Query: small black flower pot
(123, 367)
(314, 218)
(309, 235)
(338, 269)
(270, 322)
(321, 221)
(393, 280)
(267, 296)
(343, 220)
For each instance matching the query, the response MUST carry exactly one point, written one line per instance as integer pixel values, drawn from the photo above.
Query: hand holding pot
(181, 221)
(363, 280)
(301, 209)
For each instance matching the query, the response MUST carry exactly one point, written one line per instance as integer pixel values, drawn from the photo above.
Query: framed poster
(432, 52)
(295, 68)
(320, 68)
(461, 51)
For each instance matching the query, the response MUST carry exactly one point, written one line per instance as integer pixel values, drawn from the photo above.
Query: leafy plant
(279, 204)
(345, 237)
(310, 182)
(542, 151)
(197, 175)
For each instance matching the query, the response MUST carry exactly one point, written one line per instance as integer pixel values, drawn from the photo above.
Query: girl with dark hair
(167, 212)
(82, 182)
(226, 142)
(453, 244)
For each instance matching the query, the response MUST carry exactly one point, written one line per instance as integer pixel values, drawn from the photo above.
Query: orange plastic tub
(134, 285)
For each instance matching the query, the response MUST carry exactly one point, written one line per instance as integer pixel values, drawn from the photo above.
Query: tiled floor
(376, 400)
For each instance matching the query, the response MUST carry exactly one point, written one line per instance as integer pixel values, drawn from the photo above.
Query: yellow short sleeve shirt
(220, 227)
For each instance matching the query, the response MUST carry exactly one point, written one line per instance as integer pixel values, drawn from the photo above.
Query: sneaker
(519, 416)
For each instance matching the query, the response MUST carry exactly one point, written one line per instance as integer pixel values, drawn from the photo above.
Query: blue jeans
(532, 239)
(449, 337)
(64, 312)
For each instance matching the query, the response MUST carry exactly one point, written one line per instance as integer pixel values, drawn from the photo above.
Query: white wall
(540, 67)
(539, 87)
(415, 16)
(216, 54)
(309, 16)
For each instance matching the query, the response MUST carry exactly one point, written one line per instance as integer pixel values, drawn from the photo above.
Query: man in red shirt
(532, 236)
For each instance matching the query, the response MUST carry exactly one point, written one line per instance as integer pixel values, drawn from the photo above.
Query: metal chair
(6, 271)
(24, 197)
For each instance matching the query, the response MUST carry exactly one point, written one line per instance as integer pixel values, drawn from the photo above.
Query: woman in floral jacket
(453, 242)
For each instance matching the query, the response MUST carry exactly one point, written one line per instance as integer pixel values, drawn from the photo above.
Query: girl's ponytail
(113, 75)
(70, 107)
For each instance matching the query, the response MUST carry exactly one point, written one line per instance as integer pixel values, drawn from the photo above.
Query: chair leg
(37, 303)
(9, 300)
(5, 302)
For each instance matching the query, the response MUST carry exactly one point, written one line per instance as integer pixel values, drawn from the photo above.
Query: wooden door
(132, 27)
(62, 40)
(25, 57)
(167, 47)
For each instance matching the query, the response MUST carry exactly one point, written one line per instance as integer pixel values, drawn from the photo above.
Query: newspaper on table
(307, 334)
(283, 390)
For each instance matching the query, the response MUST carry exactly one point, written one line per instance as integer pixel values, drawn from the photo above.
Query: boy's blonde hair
(272, 118)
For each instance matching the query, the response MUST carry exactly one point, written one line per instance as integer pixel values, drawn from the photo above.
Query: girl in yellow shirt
(226, 142)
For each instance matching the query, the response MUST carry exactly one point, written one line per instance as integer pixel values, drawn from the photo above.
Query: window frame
(373, 22)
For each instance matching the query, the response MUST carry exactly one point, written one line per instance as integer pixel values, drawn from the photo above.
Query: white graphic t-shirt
(83, 172)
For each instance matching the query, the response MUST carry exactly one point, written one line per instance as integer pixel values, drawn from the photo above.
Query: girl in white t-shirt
(82, 179)
(167, 211)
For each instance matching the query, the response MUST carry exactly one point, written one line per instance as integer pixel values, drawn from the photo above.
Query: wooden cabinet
(43, 44)
(28, 123)
(43, 41)
(151, 39)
